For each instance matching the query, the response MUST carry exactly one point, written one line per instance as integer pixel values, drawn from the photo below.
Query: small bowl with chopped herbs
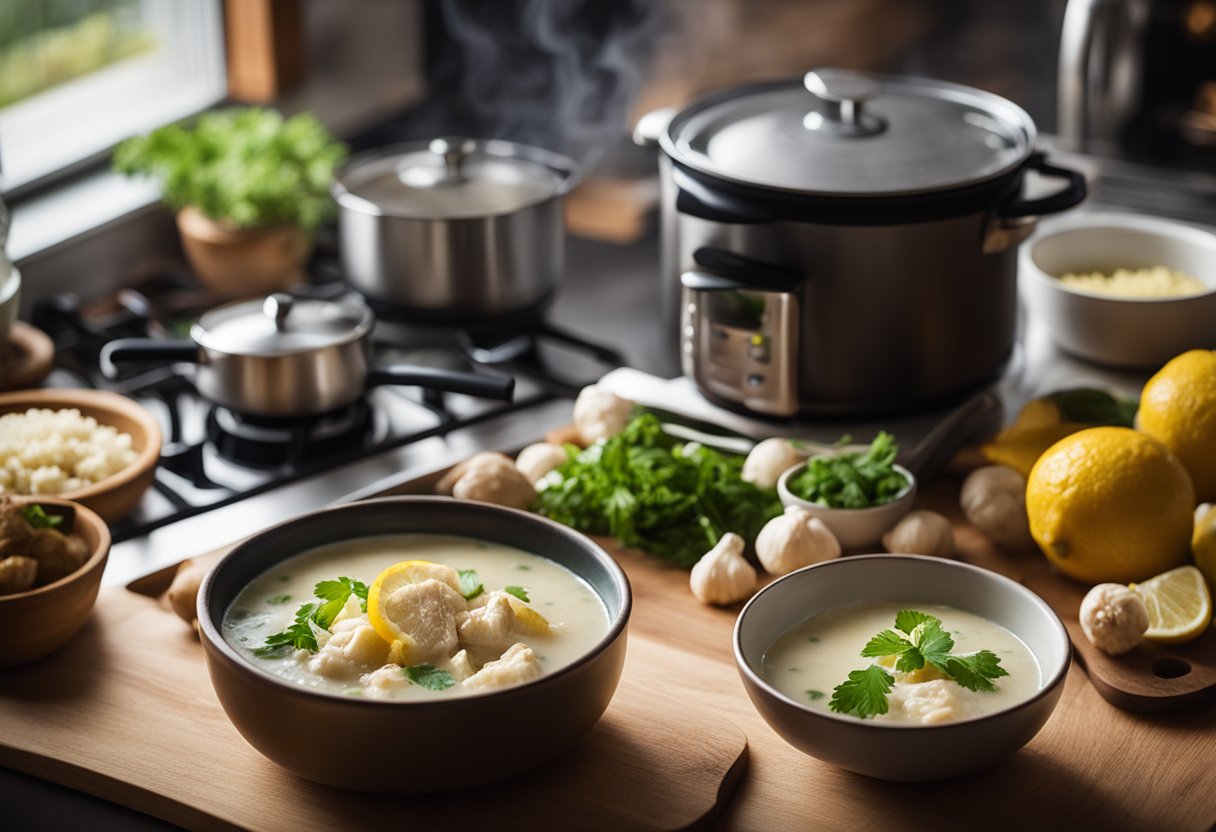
(858, 494)
(52, 555)
(902, 667)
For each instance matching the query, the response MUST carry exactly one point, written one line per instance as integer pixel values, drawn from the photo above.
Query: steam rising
(554, 73)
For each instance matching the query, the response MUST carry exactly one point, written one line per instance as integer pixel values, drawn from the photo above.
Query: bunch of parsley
(246, 166)
(920, 640)
(652, 492)
(852, 480)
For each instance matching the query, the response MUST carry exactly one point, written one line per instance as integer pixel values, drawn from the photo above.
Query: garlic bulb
(921, 533)
(994, 500)
(599, 413)
(537, 460)
(494, 479)
(1114, 618)
(769, 460)
(794, 540)
(722, 576)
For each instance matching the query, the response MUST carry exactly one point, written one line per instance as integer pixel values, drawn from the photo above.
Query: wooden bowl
(40, 621)
(116, 496)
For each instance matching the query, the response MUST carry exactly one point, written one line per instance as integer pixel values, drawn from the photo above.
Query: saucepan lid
(453, 178)
(281, 324)
(840, 133)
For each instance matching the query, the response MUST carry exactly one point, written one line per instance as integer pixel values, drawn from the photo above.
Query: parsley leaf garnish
(852, 480)
(428, 676)
(926, 642)
(470, 584)
(519, 592)
(37, 517)
(278, 599)
(300, 635)
(865, 694)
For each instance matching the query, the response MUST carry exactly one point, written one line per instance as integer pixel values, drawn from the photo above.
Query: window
(79, 76)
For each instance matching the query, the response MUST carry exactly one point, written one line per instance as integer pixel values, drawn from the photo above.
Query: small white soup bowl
(853, 527)
(896, 751)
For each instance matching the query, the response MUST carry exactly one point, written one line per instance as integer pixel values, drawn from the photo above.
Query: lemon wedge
(388, 582)
(1178, 603)
(532, 622)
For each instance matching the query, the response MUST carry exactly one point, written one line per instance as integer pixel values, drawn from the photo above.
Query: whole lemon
(1110, 504)
(1178, 407)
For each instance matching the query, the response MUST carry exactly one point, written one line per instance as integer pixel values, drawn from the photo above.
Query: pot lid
(839, 133)
(453, 178)
(282, 324)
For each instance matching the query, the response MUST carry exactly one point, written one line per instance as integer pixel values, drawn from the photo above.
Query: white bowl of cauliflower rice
(94, 447)
(1122, 289)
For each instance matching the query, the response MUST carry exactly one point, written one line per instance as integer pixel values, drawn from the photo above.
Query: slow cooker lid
(456, 177)
(281, 324)
(838, 133)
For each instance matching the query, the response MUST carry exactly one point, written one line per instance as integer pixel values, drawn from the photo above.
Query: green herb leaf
(815, 695)
(975, 671)
(652, 492)
(428, 676)
(886, 643)
(278, 599)
(334, 594)
(933, 642)
(298, 636)
(37, 517)
(852, 480)
(1095, 407)
(908, 620)
(864, 694)
(470, 585)
(519, 592)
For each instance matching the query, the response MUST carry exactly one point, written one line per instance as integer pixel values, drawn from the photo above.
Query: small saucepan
(287, 357)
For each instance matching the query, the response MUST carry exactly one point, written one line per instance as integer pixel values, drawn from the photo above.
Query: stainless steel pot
(454, 229)
(288, 357)
(846, 243)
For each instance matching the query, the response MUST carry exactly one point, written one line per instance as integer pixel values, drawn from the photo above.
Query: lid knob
(845, 94)
(277, 307)
(453, 150)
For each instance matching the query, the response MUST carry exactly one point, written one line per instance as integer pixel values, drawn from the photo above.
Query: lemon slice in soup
(392, 579)
(532, 622)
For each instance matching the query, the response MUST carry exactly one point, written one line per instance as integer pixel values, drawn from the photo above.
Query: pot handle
(728, 271)
(471, 384)
(146, 349)
(1070, 195)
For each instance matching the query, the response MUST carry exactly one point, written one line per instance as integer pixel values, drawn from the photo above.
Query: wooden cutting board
(126, 712)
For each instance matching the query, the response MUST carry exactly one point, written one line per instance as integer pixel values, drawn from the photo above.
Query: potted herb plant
(249, 188)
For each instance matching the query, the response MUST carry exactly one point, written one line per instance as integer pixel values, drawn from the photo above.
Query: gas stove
(224, 474)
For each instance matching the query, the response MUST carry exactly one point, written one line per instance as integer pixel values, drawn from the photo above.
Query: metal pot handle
(1070, 195)
(471, 384)
(146, 349)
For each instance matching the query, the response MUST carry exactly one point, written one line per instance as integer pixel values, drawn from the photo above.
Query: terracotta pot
(242, 262)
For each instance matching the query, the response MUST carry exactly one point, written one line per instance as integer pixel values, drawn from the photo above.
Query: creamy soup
(427, 632)
(808, 662)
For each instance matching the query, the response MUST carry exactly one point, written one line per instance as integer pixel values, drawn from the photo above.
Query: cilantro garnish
(37, 517)
(470, 584)
(918, 639)
(299, 635)
(428, 676)
(519, 592)
(278, 599)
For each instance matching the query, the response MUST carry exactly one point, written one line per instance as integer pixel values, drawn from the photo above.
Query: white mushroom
(1114, 618)
(722, 576)
(769, 460)
(478, 460)
(794, 540)
(921, 533)
(599, 413)
(493, 478)
(537, 460)
(994, 500)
